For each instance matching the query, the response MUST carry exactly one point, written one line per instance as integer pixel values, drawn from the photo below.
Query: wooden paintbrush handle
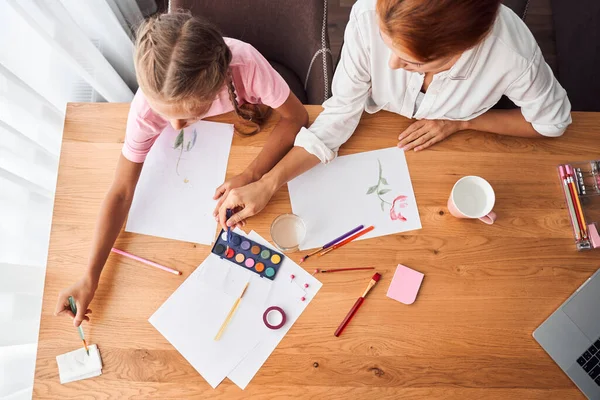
(346, 320)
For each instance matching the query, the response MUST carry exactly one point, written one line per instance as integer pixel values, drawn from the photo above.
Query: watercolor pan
(248, 254)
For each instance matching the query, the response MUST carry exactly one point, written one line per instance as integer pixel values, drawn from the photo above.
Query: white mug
(473, 197)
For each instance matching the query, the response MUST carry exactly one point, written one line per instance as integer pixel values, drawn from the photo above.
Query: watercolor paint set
(248, 254)
(580, 182)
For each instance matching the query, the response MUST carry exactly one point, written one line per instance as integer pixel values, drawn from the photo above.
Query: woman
(186, 71)
(442, 62)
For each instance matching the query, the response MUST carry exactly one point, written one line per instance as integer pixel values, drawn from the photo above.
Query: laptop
(571, 336)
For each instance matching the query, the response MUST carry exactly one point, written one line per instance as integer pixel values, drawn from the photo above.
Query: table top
(467, 336)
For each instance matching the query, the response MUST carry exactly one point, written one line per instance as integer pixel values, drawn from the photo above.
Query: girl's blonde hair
(184, 59)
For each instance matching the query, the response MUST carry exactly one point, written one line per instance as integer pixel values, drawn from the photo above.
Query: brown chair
(291, 34)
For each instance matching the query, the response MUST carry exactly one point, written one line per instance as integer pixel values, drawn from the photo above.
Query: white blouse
(508, 62)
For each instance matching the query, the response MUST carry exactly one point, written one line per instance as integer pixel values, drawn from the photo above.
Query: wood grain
(468, 336)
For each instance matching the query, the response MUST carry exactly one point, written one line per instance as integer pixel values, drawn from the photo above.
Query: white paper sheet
(173, 198)
(333, 199)
(286, 294)
(77, 365)
(193, 315)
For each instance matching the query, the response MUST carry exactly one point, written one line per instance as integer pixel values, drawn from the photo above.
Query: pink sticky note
(594, 237)
(405, 285)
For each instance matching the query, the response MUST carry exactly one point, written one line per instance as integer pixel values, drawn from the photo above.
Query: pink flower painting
(396, 205)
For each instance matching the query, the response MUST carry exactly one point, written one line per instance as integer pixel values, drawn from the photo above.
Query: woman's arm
(113, 212)
(424, 133)
(545, 110)
(502, 122)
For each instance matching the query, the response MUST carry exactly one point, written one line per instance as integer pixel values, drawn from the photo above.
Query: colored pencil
(357, 305)
(334, 241)
(231, 312)
(570, 206)
(345, 242)
(143, 260)
(79, 328)
(578, 208)
(573, 195)
(342, 269)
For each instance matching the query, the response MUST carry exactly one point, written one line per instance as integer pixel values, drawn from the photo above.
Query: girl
(186, 71)
(442, 62)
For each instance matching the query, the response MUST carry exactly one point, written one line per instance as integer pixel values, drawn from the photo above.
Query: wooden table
(468, 336)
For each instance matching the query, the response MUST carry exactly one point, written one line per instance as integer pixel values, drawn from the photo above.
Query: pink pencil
(140, 259)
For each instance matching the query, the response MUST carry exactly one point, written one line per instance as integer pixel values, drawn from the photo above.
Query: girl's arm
(252, 198)
(293, 116)
(113, 212)
(350, 87)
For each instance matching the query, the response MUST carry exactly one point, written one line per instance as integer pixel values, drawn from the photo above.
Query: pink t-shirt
(255, 82)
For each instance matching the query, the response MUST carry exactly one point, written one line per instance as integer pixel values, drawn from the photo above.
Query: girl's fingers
(66, 311)
(219, 192)
(219, 203)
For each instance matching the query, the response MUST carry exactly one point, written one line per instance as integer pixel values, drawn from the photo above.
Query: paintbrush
(357, 305)
(79, 328)
(231, 312)
(345, 242)
(334, 241)
(228, 214)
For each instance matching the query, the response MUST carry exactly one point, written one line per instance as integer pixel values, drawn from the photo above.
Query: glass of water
(288, 232)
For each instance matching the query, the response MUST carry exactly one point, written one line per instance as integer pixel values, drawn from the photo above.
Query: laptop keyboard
(590, 361)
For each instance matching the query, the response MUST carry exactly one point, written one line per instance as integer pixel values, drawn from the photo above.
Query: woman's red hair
(432, 29)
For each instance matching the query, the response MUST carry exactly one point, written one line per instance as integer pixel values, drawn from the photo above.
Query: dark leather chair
(577, 33)
(291, 34)
(571, 37)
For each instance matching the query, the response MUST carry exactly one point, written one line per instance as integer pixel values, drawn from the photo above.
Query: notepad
(77, 365)
(405, 285)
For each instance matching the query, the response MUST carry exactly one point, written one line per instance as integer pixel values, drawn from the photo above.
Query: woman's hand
(83, 292)
(222, 191)
(246, 201)
(424, 133)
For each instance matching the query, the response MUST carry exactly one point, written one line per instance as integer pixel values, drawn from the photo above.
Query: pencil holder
(580, 183)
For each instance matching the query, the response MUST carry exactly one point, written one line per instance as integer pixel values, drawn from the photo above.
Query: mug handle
(489, 219)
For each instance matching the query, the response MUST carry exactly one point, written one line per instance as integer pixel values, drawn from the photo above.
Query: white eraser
(78, 365)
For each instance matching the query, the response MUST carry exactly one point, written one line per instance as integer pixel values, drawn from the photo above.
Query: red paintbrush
(357, 305)
(341, 269)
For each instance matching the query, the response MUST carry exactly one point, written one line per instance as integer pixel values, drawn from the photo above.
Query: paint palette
(248, 254)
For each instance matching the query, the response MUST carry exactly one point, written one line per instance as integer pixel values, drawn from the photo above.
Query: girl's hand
(246, 201)
(83, 292)
(223, 191)
(424, 133)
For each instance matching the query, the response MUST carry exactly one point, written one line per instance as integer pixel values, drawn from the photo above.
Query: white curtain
(51, 52)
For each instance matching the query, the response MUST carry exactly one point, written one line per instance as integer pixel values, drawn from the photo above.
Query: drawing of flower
(179, 144)
(398, 203)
